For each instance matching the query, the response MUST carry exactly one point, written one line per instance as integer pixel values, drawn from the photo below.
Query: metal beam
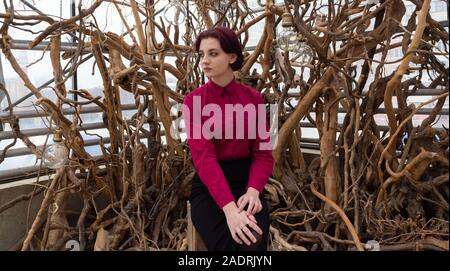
(88, 142)
(45, 131)
(23, 45)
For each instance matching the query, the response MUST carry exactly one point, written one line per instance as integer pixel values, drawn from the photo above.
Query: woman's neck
(223, 79)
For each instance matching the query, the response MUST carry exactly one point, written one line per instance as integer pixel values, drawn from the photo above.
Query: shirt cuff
(224, 201)
(259, 188)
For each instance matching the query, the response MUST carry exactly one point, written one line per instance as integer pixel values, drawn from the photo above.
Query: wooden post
(195, 242)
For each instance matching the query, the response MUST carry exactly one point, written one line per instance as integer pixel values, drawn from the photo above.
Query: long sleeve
(204, 157)
(261, 153)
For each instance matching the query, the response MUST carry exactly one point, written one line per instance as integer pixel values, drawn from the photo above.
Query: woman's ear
(233, 58)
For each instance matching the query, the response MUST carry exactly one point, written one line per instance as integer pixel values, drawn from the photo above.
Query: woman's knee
(259, 245)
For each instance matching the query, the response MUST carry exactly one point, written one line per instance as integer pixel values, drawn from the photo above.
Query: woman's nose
(205, 60)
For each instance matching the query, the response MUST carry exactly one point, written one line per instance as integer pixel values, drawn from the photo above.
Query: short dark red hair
(228, 41)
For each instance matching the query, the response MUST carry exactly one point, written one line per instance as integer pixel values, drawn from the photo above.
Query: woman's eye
(213, 54)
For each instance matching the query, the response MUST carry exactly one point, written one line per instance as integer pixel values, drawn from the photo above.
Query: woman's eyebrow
(213, 49)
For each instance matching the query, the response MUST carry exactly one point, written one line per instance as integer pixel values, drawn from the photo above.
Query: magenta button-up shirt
(232, 141)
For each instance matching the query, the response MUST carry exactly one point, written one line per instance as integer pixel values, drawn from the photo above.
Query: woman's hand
(252, 199)
(240, 224)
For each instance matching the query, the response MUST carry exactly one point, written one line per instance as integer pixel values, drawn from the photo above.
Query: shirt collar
(221, 90)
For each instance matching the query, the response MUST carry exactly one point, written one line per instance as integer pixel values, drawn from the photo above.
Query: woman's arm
(262, 164)
(204, 156)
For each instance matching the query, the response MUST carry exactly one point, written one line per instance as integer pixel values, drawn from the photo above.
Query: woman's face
(213, 60)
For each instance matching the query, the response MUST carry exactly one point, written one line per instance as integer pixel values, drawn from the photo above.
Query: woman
(228, 208)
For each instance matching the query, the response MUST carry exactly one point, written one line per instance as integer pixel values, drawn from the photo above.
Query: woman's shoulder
(196, 92)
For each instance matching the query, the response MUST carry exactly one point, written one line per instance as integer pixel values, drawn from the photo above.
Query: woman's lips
(207, 69)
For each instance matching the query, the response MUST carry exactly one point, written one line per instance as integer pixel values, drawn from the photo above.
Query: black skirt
(210, 220)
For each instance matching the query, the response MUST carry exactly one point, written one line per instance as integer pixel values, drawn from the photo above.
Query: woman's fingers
(255, 228)
(252, 218)
(235, 237)
(245, 229)
(242, 236)
(251, 205)
(243, 226)
(258, 208)
(249, 234)
(239, 201)
(243, 203)
(255, 208)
